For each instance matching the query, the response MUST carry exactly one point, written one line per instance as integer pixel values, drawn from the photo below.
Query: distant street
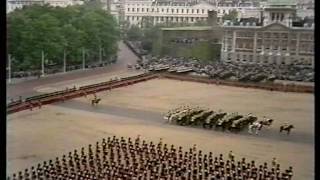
(28, 87)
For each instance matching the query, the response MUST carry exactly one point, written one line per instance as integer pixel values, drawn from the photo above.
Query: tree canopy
(55, 30)
(231, 16)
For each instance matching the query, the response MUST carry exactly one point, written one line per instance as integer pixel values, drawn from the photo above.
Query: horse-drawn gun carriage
(196, 116)
(226, 121)
(243, 122)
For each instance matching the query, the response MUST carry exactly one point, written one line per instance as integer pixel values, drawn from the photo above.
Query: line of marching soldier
(120, 158)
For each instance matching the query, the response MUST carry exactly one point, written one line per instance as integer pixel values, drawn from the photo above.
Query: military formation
(196, 116)
(236, 71)
(135, 159)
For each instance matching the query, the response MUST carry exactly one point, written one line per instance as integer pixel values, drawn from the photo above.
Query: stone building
(177, 11)
(201, 42)
(18, 4)
(276, 41)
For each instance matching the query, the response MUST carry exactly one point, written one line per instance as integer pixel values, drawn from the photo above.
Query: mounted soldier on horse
(95, 101)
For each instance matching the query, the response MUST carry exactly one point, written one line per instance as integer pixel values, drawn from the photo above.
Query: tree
(231, 16)
(56, 30)
(134, 33)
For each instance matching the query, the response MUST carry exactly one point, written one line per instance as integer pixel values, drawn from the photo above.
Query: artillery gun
(175, 112)
(176, 116)
(239, 124)
(227, 120)
(200, 117)
(184, 119)
(213, 118)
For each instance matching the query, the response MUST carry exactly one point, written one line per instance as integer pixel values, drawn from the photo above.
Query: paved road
(156, 117)
(27, 88)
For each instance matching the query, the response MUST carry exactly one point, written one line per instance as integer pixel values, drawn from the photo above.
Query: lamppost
(83, 60)
(42, 63)
(9, 68)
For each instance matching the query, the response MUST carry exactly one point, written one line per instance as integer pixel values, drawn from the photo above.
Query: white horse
(256, 126)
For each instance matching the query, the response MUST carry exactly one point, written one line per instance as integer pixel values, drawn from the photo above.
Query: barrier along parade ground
(65, 121)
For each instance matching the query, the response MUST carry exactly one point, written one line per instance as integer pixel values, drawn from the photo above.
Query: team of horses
(234, 122)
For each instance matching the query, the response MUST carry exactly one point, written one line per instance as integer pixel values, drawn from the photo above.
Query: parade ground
(54, 130)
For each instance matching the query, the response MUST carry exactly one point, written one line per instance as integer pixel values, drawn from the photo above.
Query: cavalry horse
(286, 127)
(95, 101)
(256, 126)
(266, 122)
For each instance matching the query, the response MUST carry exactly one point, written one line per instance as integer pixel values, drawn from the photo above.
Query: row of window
(172, 10)
(190, 19)
(167, 10)
(268, 35)
(277, 16)
(270, 59)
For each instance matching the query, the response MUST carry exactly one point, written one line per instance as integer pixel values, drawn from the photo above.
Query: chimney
(212, 18)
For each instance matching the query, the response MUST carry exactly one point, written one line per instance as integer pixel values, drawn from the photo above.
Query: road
(29, 87)
(156, 117)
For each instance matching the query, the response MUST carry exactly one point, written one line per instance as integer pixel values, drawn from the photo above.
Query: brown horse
(95, 101)
(286, 128)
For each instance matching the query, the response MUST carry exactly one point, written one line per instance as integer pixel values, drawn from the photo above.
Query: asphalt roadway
(156, 117)
(28, 87)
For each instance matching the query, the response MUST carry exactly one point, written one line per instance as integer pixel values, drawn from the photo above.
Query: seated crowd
(120, 158)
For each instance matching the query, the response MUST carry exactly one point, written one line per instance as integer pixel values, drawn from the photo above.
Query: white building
(17, 4)
(176, 11)
(275, 42)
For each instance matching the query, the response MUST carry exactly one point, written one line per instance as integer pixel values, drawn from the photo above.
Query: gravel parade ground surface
(43, 134)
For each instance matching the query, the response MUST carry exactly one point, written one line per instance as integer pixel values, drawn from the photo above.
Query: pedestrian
(250, 128)
(231, 156)
(274, 162)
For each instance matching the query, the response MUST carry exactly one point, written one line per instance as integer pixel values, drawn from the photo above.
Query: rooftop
(282, 2)
(188, 28)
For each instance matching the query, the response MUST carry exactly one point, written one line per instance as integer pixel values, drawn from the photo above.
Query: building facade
(276, 41)
(18, 4)
(177, 11)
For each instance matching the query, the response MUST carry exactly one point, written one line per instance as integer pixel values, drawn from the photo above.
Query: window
(191, 19)
(167, 10)
(137, 9)
(147, 9)
(132, 9)
(162, 10)
(128, 9)
(181, 10)
(282, 16)
(157, 9)
(197, 11)
(161, 18)
(202, 11)
(152, 10)
(177, 10)
(172, 10)
(223, 11)
(187, 10)
(128, 17)
(142, 9)
(192, 10)
(272, 16)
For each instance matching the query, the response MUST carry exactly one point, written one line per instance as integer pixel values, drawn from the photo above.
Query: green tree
(134, 33)
(231, 16)
(56, 30)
